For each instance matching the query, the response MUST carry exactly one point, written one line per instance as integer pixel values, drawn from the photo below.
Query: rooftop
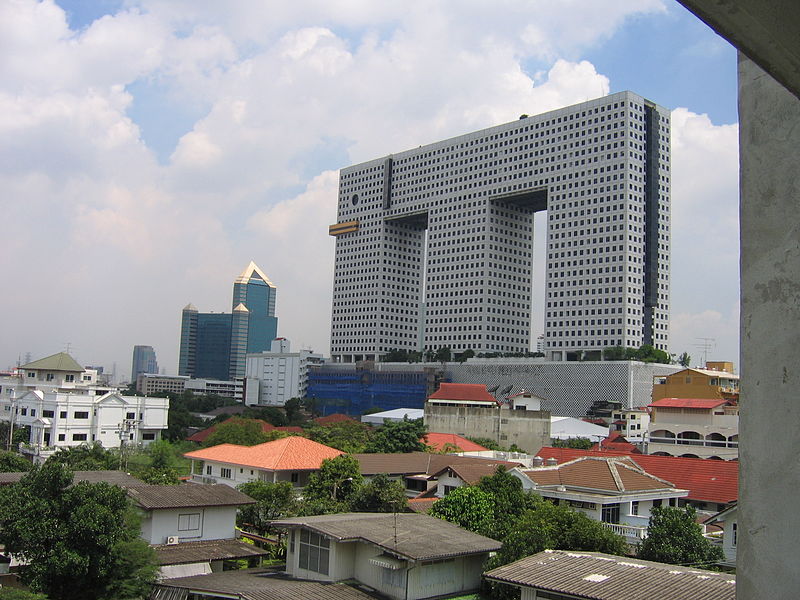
(334, 419)
(56, 362)
(252, 271)
(291, 453)
(440, 442)
(418, 536)
(201, 551)
(412, 463)
(470, 473)
(707, 403)
(463, 392)
(187, 495)
(616, 441)
(606, 577)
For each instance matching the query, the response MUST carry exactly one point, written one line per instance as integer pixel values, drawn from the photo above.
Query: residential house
(290, 459)
(697, 383)
(460, 474)
(403, 556)
(712, 484)
(613, 490)
(450, 442)
(563, 575)
(192, 527)
(631, 423)
(469, 410)
(694, 428)
(728, 519)
(615, 442)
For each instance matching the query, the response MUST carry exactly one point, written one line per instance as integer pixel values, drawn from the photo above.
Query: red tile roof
(612, 474)
(472, 392)
(708, 403)
(334, 419)
(291, 453)
(201, 436)
(707, 480)
(439, 441)
(616, 442)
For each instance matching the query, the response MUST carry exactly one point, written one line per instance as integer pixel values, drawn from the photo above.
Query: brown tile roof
(186, 495)
(207, 550)
(606, 577)
(258, 584)
(119, 478)
(292, 453)
(469, 473)
(411, 463)
(708, 403)
(608, 474)
(440, 441)
(707, 480)
(419, 537)
(472, 392)
(334, 419)
(421, 505)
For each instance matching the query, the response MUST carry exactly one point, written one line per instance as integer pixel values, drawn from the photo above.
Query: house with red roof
(712, 484)
(462, 394)
(615, 442)
(450, 442)
(291, 459)
(694, 428)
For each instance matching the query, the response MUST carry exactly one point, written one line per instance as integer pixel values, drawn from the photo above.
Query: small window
(69, 378)
(33, 412)
(82, 414)
(31, 374)
(657, 503)
(225, 472)
(734, 534)
(23, 411)
(79, 437)
(62, 437)
(208, 470)
(130, 415)
(148, 436)
(49, 377)
(295, 477)
(62, 414)
(48, 414)
(189, 522)
(635, 507)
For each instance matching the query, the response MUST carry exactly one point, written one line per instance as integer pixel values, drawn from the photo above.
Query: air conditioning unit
(172, 540)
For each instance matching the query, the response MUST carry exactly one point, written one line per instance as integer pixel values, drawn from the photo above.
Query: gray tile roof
(186, 495)
(419, 537)
(258, 584)
(606, 577)
(192, 552)
(119, 478)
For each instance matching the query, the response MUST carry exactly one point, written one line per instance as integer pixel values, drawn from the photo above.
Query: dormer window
(69, 378)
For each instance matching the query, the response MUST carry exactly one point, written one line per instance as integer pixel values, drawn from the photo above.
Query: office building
(434, 245)
(215, 345)
(144, 361)
(273, 377)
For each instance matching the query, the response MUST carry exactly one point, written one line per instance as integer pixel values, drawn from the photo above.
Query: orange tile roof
(472, 392)
(612, 474)
(292, 453)
(707, 480)
(438, 441)
(708, 403)
(201, 436)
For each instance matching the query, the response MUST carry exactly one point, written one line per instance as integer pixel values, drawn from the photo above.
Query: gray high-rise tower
(434, 245)
(144, 361)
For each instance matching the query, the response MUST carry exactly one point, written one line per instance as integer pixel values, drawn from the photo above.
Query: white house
(272, 378)
(56, 372)
(404, 556)
(694, 428)
(728, 519)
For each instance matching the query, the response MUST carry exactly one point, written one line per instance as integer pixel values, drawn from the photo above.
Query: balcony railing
(689, 442)
(628, 531)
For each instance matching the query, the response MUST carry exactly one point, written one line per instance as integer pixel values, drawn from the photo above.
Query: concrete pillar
(769, 451)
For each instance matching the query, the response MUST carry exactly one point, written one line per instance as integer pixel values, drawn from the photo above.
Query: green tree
(11, 462)
(444, 354)
(294, 411)
(243, 432)
(684, 360)
(271, 414)
(579, 443)
(380, 494)
(153, 476)
(509, 500)
(468, 507)
(9, 593)
(674, 537)
(469, 353)
(347, 436)
(78, 542)
(86, 457)
(398, 436)
(273, 501)
(332, 487)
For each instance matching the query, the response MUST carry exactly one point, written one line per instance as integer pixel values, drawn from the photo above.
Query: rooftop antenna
(705, 344)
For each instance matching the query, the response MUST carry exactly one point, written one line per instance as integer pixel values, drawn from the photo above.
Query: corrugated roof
(56, 362)
(188, 494)
(606, 577)
(707, 403)
(707, 480)
(419, 462)
(419, 537)
(439, 442)
(471, 392)
(292, 453)
(610, 474)
(207, 550)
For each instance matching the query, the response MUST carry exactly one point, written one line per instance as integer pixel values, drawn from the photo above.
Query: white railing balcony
(627, 531)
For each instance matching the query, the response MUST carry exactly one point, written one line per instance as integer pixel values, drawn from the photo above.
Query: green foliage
(164, 476)
(347, 436)
(9, 593)
(469, 353)
(380, 494)
(645, 353)
(273, 501)
(294, 409)
(21, 435)
(271, 414)
(674, 537)
(181, 407)
(86, 457)
(396, 355)
(335, 483)
(509, 500)
(684, 360)
(487, 443)
(77, 541)
(11, 462)
(243, 432)
(579, 443)
(444, 354)
(468, 507)
(398, 436)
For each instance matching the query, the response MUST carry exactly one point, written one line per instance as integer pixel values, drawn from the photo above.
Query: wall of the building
(529, 430)
(214, 523)
(240, 475)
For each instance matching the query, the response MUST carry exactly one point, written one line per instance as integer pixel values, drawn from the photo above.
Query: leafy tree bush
(243, 432)
(78, 542)
(674, 537)
(468, 507)
(398, 436)
(86, 457)
(273, 501)
(380, 494)
(332, 487)
(9, 593)
(347, 436)
(579, 443)
(11, 462)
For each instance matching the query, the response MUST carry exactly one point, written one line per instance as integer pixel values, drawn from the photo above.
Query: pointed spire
(241, 308)
(190, 307)
(252, 270)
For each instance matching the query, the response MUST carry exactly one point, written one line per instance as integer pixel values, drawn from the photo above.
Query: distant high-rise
(214, 345)
(144, 361)
(434, 245)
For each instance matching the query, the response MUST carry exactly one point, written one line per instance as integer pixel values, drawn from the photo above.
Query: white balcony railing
(628, 531)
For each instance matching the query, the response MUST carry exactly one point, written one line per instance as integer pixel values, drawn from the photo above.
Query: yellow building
(698, 383)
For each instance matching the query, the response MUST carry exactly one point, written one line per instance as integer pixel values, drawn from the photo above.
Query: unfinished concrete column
(769, 521)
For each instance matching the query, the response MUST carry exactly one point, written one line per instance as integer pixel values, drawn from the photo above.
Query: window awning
(388, 562)
(173, 571)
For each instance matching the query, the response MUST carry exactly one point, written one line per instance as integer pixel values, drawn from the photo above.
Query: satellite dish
(507, 389)
(493, 388)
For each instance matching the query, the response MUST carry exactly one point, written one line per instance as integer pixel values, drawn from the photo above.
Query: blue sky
(152, 148)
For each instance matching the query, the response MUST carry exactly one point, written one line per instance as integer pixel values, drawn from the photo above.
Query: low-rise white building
(272, 378)
(694, 428)
(56, 372)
